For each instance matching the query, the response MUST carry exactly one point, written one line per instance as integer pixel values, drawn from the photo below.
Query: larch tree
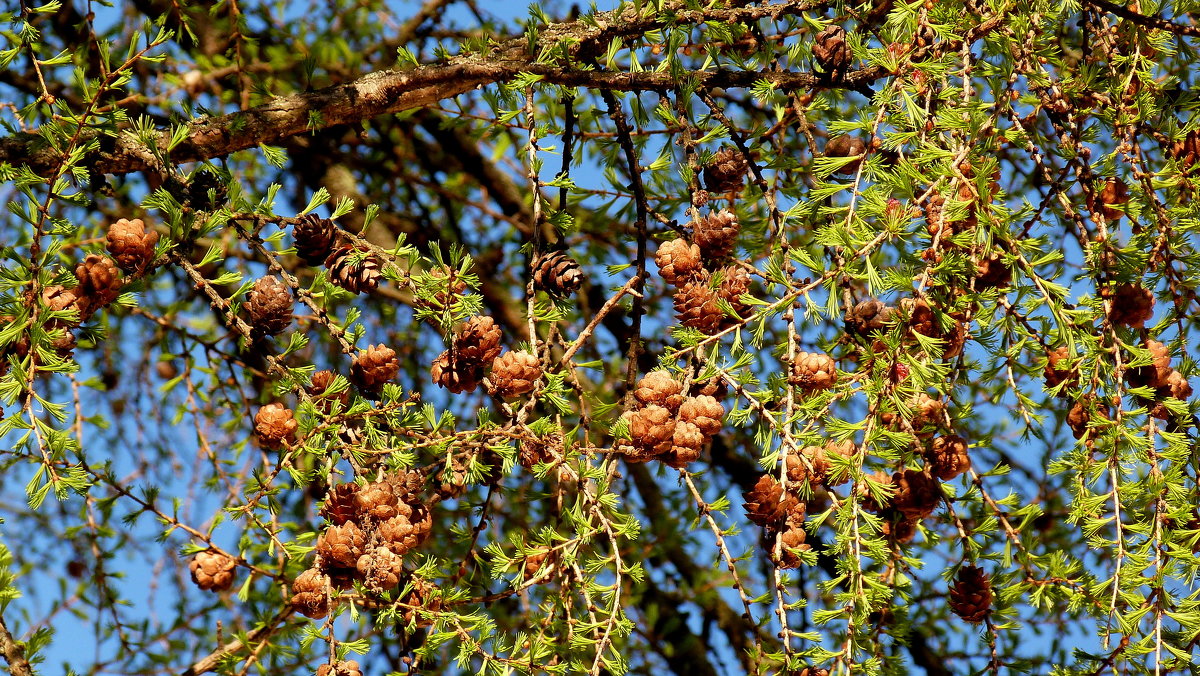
(796, 337)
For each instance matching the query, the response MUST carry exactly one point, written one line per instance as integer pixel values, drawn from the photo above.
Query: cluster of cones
(780, 508)
(668, 425)
(917, 316)
(318, 241)
(692, 267)
(98, 284)
(474, 355)
(370, 530)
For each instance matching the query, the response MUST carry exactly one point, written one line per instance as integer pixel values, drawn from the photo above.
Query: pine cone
(439, 288)
(343, 668)
(704, 412)
(652, 429)
(378, 501)
(792, 538)
(917, 493)
(202, 182)
(318, 389)
(57, 299)
(380, 569)
(661, 389)
(867, 499)
(1131, 304)
(1059, 368)
(130, 245)
(341, 546)
(726, 171)
(1155, 374)
(767, 504)
(557, 274)
(275, 425)
(808, 470)
(477, 344)
(928, 411)
(835, 476)
(920, 317)
(1110, 200)
(868, 317)
(678, 261)
(830, 49)
(424, 596)
(992, 273)
(373, 367)
(1081, 415)
(813, 371)
(1187, 151)
(270, 306)
(686, 443)
(341, 505)
(212, 571)
(515, 373)
(315, 238)
(310, 594)
(1176, 386)
(402, 534)
(716, 233)
(847, 146)
(535, 560)
(696, 306)
(898, 527)
(99, 283)
(971, 594)
(947, 457)
(735, 282)
(355, 270)
(539, 450)
(453, 375)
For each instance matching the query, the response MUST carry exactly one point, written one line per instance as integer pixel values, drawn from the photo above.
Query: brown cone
(341, 546)
(515, 373)
(378, 501)
(1081, 415)
(310, 594)
(813, 371)
(809, 467)
(830, 49)
(341, 505)
(847, 146)
(947, 457)
(686, 444)
(735, 281)
(917, 493)
(971, 594)
(270, 306)
(275, 425)
(402, 534)
(867, 498)
(354, 269)
(704, 412)
(678, 260)
(130, 245)
(868, 317)
(1187, 151)
(315, 238)
(927, 412)
(696, 306)
(766, 504)
(557, 274)
(373, 367)
(652, 429)
(453, 375)
(716, 233)
(343, 668)
(477, 344)
(1155, 374)
(661, 389)
(1132, 304)
(424, 595)
(99, 283)
(992, 273)
(726, 171)
(1059, 368)
(318, 389)
(539, 450)
(380, 569)
(212, 570)
(1110, 199)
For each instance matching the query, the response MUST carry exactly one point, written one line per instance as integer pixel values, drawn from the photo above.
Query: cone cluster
(212, 571)
(700, 285)
(666, 425)
(473, 349)
(370, 530)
